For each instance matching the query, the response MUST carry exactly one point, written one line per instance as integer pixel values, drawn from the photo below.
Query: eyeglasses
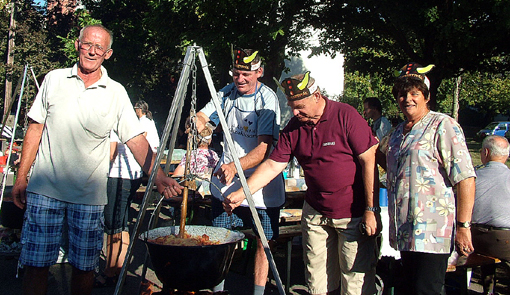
(98, 48)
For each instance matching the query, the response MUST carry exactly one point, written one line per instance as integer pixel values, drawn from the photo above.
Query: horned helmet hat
(413, 69)
(244, 61)
(296, 89)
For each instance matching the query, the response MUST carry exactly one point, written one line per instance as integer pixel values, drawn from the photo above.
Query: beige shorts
(336, 252)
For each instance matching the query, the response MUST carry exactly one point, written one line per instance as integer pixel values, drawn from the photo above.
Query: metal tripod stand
(172, 125)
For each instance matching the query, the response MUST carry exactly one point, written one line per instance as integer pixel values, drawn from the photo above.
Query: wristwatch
(465, 224)
(373, 209)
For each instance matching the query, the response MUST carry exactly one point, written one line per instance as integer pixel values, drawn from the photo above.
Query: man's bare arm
(367, 161)
(228, 171)
(465, 203)
(142, 151)
(28, 154)
(266, 172)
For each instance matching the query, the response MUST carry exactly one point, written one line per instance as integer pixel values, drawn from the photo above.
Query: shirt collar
(327, 110)
(495, 163)
(102, 82)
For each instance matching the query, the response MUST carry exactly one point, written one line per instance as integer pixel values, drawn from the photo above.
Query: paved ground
(238, 282)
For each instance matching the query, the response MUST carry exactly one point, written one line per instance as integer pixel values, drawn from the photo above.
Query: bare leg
(82, 282)
(35, 280)
(116, 249)
(123, 251)
(261, 265)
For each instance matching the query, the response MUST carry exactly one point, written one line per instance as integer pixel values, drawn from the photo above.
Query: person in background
(124, 179)
(253, 119)
(372, 109)
(148, 125)
(203, 158)
(336, 149)
(68, 142)
(431, 186)
(490, 227)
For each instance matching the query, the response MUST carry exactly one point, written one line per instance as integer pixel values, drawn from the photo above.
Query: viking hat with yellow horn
(246, 60)
(296, 89)
(413, 69)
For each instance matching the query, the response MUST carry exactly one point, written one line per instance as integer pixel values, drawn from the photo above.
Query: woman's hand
(463, 241)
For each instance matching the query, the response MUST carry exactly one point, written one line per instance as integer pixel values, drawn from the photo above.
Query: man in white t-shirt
(252, 113)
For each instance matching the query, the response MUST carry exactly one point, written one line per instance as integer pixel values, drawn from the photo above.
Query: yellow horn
(250, 58)
(304, 82)
(425, 69)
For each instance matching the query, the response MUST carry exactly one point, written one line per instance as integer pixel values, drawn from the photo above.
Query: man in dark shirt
(336, 149)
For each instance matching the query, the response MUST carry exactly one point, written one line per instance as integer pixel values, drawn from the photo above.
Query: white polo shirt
(72, 161)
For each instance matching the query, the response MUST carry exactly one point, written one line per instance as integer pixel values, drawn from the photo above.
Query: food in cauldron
(188, 240)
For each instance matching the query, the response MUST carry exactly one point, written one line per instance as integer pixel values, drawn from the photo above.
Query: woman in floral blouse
(431, 186)
(203, 159)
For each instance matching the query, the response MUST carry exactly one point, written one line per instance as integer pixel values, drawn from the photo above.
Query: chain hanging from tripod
(193, 137)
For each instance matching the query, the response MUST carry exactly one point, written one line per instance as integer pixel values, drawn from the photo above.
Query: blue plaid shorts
(42, 232)
(242, 218)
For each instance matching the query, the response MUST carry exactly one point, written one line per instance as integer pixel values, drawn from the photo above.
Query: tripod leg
(176, 103)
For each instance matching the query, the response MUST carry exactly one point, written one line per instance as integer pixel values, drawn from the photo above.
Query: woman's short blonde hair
(205, 136)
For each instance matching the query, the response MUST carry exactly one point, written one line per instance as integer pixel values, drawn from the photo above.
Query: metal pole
(6, 169)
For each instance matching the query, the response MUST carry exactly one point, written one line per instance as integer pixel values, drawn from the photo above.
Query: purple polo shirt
(328, 154)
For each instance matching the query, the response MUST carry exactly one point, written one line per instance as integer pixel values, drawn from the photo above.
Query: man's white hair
(497, 145)
(110, 33)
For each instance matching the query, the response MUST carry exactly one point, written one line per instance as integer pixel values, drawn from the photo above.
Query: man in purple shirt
(336, 149)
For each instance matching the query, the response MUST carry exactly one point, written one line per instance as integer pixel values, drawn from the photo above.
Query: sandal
(102, 281)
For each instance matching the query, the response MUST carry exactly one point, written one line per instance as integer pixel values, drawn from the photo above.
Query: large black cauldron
(192, 268)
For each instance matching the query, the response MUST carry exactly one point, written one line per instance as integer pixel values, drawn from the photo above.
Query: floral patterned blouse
(423, 167)
(201, 160)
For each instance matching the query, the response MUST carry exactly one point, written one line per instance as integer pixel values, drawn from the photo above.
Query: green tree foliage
(31, 45)
(152, 36)
(61, 21)
(486, 93)
(379, 36)
(357, 87)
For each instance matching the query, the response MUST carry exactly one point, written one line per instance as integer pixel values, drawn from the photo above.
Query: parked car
(494, 128)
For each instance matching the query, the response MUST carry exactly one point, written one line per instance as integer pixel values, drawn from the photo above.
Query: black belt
(488, 227)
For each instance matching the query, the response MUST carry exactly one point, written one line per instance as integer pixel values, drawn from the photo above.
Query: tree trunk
(10, 61)
(455, 110)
